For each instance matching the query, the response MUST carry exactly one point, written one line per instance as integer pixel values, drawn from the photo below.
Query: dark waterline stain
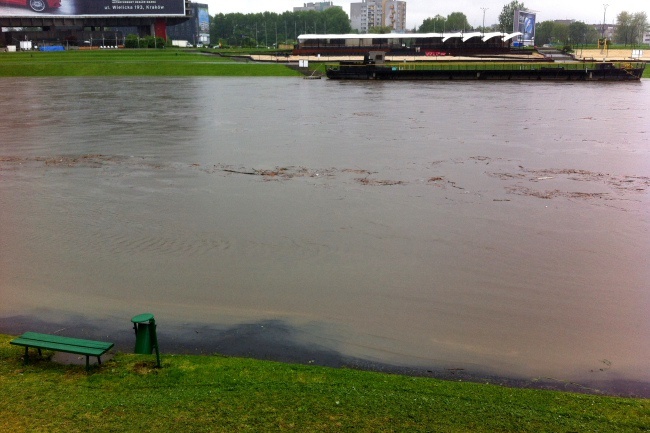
(273, 340)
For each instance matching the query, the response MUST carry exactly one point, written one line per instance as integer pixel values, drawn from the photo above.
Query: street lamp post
(483, 28)
(605, 6)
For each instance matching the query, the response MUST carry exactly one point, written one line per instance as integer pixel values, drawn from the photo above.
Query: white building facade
(375, 13)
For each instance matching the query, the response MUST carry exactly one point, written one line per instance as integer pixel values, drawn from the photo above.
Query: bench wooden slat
(38, 339)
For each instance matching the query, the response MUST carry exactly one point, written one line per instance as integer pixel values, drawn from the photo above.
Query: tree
(337, 21)
(544, 32)
(630, 27)
(639, 27)
(561, 33)
(455, 22)
(432, 25)
(507, 16)
(549, 32)
(581, 33)
(623, 28)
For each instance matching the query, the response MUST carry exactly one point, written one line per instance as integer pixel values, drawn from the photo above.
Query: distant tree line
(268, 28)
(454, 22)
(630, 28)
(629, 31)
(457, 21)
(576, 33)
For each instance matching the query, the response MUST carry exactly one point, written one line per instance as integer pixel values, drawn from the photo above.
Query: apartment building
(316, 6)
(375, 13)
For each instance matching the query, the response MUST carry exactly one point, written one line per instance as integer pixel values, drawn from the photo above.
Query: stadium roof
(444, 36)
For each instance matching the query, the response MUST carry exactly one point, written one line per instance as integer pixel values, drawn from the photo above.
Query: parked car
(35, 5)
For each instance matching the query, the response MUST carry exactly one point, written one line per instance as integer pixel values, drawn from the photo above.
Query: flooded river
(497, 229)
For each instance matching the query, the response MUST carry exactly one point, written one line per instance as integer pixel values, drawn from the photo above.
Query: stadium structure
(455, 44)
(88, 22)
(409, 44)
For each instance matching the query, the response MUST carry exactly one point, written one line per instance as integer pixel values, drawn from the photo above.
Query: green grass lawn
(132, 63)
(150, 62)
(223, 394)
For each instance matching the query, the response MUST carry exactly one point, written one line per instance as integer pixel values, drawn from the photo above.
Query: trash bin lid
(142, 318)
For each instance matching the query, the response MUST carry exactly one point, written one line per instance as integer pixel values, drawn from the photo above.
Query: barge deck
(374, 68)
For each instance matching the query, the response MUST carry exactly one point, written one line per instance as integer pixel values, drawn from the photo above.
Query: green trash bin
(146, 339)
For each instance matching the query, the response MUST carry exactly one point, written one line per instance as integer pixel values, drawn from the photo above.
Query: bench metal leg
(87, 362)
(26, 361)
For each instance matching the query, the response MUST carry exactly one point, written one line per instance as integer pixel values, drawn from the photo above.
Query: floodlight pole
(483, 28)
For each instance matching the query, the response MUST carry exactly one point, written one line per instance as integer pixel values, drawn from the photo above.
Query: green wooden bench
(58, 343)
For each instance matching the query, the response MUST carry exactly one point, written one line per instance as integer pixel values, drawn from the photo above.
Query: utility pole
(483, 28)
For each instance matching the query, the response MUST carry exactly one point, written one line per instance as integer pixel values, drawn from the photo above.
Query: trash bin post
(146, 339)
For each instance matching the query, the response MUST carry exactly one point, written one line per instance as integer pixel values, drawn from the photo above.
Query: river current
(497, 229)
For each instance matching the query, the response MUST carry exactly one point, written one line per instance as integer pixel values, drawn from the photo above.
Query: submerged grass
(214, 393)
(131, 63)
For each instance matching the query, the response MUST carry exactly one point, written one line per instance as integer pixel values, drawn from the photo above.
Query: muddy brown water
(499, 229)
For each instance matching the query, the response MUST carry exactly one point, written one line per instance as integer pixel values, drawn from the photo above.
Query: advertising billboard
(91, 8)
(204, 20)
(525, 23)
(204, 25)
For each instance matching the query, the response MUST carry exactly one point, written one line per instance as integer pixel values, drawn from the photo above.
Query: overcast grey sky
(590, 12)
